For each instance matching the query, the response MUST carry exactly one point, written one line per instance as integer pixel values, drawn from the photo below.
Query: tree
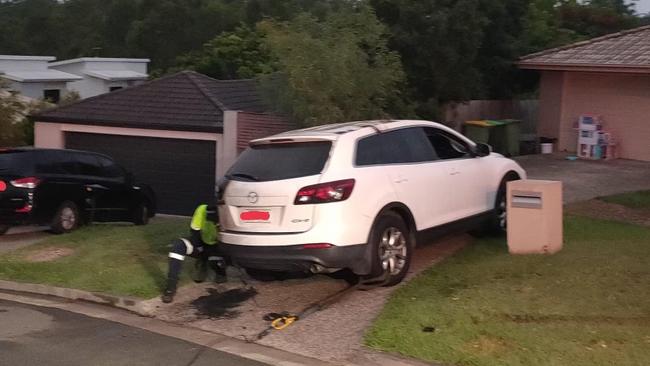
(15, 127)
(331, 70)
(231, 55)
(439, 43)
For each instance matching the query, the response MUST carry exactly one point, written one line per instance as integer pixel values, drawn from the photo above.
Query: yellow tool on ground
(283, 322)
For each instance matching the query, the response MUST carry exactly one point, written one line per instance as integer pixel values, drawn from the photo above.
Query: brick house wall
(251, 126)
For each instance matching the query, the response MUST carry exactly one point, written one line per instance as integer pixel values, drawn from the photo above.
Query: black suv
(65, 188)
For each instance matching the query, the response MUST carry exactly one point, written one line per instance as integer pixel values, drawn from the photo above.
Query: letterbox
(534, 216)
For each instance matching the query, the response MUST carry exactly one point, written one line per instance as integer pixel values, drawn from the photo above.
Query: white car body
(433, 193)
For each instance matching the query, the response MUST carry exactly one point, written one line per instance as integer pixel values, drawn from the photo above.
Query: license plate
(255, 216)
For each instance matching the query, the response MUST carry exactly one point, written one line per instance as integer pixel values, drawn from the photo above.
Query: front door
(469, 195)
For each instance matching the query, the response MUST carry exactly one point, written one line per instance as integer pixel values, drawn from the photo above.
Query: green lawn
(119, 259)
(586, 305)
(638, 200)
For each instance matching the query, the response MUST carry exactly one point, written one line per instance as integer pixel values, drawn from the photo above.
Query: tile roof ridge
(191, 75)
(525, 58)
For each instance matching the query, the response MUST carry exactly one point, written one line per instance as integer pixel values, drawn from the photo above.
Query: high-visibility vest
(207, 227)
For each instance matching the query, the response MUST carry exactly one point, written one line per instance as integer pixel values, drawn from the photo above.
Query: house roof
(186, 101)
(626, 51)
(99, 59)
(27, 58)
(116, 75)
(33, 76)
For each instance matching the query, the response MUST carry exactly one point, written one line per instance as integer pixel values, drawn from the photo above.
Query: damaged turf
(220, 305)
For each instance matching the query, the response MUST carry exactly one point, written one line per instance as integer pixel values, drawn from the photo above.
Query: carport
(178, 133)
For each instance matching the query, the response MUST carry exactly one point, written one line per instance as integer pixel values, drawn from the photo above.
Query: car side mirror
(482, 149)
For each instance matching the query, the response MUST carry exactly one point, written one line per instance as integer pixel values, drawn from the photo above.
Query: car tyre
(498, 223)
(4, 229)
(66, 218)
(141, 214)
(392, 249)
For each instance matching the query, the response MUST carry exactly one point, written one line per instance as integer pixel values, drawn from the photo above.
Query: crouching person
(201, 245)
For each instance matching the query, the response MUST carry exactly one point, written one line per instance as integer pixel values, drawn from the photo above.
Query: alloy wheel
(393, 251)
(68, 218)
(502, 213)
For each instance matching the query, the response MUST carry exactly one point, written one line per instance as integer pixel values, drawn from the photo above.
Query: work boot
(168, 295)
(200, 270)
(220, 276)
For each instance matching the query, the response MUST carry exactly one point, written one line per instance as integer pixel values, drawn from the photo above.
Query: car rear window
(280, 161)
(17, 163)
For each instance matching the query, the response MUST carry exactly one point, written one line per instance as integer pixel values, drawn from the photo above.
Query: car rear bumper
(12, 218)
(295, 258)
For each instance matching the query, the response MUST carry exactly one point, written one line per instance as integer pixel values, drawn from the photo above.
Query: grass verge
(586, 305)
(118, 259)
(636, 200)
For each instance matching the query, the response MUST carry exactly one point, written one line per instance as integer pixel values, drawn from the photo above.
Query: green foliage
(16, 128)
(231, 55)
(451, 50)
(332, 70)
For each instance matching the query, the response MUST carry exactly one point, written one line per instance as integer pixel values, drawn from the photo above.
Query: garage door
(181, 172)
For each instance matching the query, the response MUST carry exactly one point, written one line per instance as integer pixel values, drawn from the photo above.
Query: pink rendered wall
(550, 105)
(623, 100)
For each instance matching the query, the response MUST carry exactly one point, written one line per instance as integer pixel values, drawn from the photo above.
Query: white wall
(92, 86)
(22, 65)
(35, 90)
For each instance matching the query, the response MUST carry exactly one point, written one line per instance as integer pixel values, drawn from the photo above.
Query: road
(31, 335)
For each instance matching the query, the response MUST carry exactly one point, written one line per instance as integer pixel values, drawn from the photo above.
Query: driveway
(334, 334)
(587, 179)
(20, 237)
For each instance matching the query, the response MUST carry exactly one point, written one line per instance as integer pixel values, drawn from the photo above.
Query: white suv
(357, 196)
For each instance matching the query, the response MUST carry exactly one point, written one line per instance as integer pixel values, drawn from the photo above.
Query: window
(55, 162)
(446, 145)
(114, 88)
(16, 163)
(88, 165)
(409, 145)
(52, 95)
(281, 161)
(110, 169)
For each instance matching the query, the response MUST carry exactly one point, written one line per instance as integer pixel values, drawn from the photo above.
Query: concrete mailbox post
(534, 216)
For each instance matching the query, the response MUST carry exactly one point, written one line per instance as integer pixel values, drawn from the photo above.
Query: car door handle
(401, 180)
(92, 187)
(454, 173)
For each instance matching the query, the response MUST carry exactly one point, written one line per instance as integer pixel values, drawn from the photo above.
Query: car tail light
(325, 192)
(317, 246)
(26, 209)
(3, 186)
(29, 182)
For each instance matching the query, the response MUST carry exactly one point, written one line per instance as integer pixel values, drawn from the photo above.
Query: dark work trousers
(195, 248)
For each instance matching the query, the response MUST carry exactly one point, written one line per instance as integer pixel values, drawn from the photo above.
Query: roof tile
(183, 101)
(630, 48)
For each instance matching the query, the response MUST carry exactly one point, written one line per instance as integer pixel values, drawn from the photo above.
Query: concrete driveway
(587, 179)
(20, 237)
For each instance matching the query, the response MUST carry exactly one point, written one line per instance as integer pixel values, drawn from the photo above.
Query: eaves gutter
(146, 126)
(638, 69)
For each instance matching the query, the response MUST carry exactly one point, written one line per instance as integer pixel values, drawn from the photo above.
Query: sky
(643, 6)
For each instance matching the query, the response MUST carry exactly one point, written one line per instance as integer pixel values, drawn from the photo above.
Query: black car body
(46, 186)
